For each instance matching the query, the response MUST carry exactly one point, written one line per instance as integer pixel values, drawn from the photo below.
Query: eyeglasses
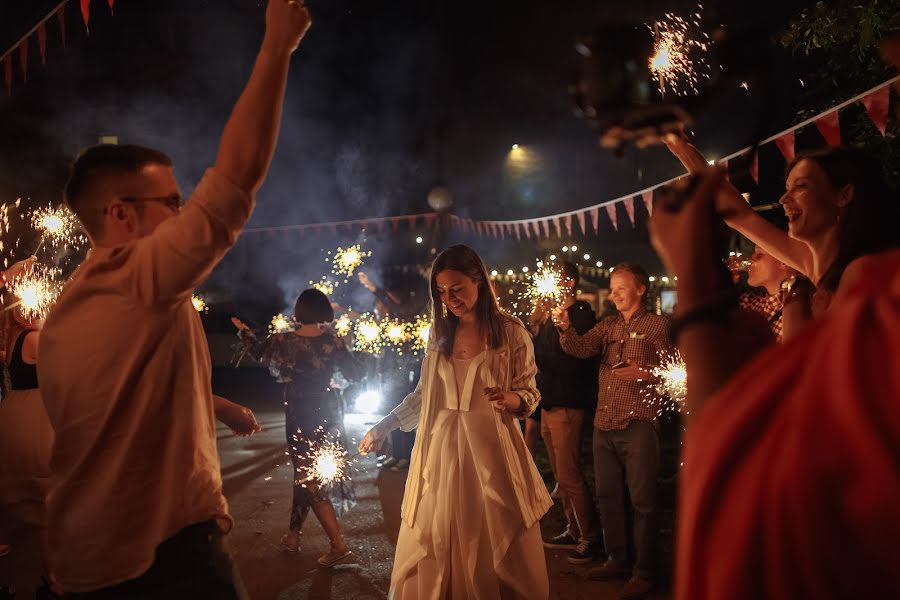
(174, 202)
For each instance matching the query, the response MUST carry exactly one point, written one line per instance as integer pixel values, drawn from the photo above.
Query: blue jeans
(632, 455)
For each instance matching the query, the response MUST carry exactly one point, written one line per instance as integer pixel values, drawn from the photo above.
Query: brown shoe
(636, 589)
(609, 570)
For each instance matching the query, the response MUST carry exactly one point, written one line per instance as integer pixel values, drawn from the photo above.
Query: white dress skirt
(469, 540)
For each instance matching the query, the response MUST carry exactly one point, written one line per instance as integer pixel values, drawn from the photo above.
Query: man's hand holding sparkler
(561, 319)
(239, 419)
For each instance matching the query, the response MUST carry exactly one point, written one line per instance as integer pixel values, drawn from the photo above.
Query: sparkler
(329, 462)
(347, 260)
(36, 290)
(324, 285)
(396, 333)
(281, 324)
(546, 284)
(671, 375)
(678, 60)
(343, 325)
(58, 225)
(368, 335)
(199, 304)
(421, 331)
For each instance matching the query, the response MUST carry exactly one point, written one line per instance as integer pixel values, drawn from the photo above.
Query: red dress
(791, 481)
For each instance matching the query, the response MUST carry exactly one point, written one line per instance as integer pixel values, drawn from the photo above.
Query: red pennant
(629, 208)
(61, 19)
(518, 231)
(877, 104)
(536, 228)
(545, 225)
(527, 232)
(724, 164)
(7, 73)
(42, 42)
(829, 126)
(786, 144)
(647, 197)
(557, 226)
(568, 221)
(595, 219)
(611, 211)
(86, 12)
(111, 2)
(429, 220)
(754, 167)
(23, 58)
(581, 224)
(411, 219)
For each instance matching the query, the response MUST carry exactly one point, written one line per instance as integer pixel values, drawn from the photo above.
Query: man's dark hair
(570, 271)
(640, 275)
(102, 161)
(313, 307)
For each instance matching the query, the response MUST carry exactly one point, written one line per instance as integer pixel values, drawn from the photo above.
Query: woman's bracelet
(718, 312)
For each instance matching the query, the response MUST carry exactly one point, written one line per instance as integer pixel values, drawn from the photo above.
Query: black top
(563, 380)
(22, 376)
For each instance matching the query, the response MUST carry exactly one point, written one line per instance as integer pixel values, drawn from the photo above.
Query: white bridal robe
(473, 499)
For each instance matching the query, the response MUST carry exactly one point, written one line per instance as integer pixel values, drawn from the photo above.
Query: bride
(473, 497)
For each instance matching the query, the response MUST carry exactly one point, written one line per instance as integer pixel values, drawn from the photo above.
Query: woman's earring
(444, 310)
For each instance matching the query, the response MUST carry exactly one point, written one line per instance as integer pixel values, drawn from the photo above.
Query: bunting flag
(86, 12)
(528, 232)
(786, 144)
(545, 225)
(568, 221)
(877, 104)
(61, 19)
(629, 208)
(724, 163)
(518, 231)
(829, 126)
(581, 219)
(535, 226)
(42, 42)
(555, 221)
(647, 197)
(595, 219)
(23, 59)
(611, 211)
(754, 165)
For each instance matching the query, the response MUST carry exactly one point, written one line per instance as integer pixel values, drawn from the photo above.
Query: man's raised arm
(248, 140)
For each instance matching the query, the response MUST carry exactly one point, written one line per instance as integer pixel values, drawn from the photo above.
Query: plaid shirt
(768, 306)
(642, 341)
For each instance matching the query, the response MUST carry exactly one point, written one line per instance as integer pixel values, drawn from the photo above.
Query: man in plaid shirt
(766, 272)
(625, 427)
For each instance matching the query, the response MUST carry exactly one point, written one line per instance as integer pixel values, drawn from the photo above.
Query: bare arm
(248, 140)
(743, 219)
(30, 348)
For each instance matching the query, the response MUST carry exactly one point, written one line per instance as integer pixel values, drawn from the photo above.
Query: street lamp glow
(599, 263)
(494, 273)
(565, 248)
(665, 280)
(652, 278)
(552, 257)
(509, 272)
(515, 147)
(574, 248)
(419, 240)
(368, 402)
(524, 269)
(587, 257)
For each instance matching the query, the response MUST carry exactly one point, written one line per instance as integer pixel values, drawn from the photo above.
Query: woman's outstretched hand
(241, 326)
(373, 439)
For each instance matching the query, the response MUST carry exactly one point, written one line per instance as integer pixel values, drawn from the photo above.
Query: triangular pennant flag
(629, 208)
(527, 232)
(545, 225)
(536, 228)
(595, 219)
(42, 41)
(61, 19)
(785, 143)
(518, 231)
(581, 218)
(754, 165)
(568, 221)
(647, 197)
(557, 226)
(877, 104)
(380, 224)
(412, 222)
(611, 211)
(111, 2)
(829, 125)
(86, 12)
(7, 73)
(724, 163)
(23, 58)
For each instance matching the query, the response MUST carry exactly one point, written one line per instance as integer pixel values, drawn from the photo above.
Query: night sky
(385, 100)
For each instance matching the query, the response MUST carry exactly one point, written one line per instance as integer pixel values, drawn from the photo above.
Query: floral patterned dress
(312, 407)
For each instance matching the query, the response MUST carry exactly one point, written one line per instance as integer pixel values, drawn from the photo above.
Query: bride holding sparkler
(473, 497)
(305, 359)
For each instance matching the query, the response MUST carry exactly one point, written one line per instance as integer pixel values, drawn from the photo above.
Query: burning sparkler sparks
(281, 324)
(58, 225)
(199, 304)
(679, 62)
(342, 325)
(421, 330)
(396, 333)
(324, 285)
(329, 462)
(368, 335)
(671, 375)
(546, 284)
(347, 260)
(36, 290)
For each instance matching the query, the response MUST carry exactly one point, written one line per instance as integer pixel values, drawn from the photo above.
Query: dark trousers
(194, 563)
(630, 455)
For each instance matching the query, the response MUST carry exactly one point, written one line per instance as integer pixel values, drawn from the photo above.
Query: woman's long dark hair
(487, 312)
(867, 224)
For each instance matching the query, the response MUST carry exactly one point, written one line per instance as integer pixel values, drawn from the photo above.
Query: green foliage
(837, 44)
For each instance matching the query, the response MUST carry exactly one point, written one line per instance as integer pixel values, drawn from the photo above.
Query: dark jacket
(565, 381)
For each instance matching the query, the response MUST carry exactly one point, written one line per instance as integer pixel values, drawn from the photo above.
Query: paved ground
(257, 480)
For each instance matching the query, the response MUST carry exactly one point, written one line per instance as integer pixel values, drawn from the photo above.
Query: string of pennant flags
(876, 102)
(38, 33)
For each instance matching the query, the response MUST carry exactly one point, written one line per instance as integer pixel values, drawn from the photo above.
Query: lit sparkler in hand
(324, 285)
(342, 325)
(396, 333)
(199, 304)
(347, 260)
(546, 284)
(281, 324)
(36, 290)
(678, 62)
(671, 377)
(328, 460)
(58, 225)
(368, 335)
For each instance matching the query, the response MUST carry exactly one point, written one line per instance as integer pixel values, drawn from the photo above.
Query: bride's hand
(508, 401)
(373, 440)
